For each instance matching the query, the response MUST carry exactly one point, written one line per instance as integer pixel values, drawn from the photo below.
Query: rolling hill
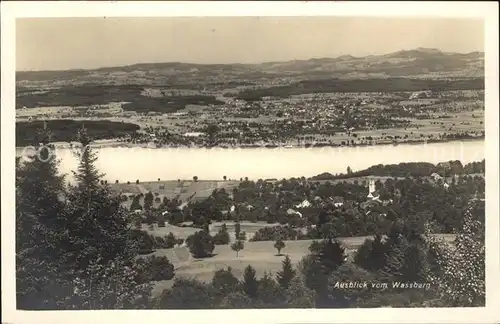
(420, 62)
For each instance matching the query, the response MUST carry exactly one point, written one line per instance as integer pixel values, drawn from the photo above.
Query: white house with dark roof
(291, 211)
(304, 204)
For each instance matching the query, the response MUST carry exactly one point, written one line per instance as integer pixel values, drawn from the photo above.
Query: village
(337, 119)
(289, 201)
(289, 208)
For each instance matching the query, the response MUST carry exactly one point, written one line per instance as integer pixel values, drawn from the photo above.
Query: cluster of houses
(373, 199)
(420, 95)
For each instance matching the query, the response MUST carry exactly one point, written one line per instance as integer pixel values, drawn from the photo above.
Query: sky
(86, 43)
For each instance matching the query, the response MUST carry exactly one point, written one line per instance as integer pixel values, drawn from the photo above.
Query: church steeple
(371, 188)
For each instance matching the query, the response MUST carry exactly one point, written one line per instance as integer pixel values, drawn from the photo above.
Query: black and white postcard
(194, 161)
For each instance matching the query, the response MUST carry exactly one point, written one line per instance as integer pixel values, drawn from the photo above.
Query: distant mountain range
(419, 62)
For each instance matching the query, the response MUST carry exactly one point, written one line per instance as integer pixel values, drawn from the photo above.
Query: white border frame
(474, 9)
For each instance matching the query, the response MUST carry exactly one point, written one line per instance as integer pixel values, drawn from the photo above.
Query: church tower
(371, 188)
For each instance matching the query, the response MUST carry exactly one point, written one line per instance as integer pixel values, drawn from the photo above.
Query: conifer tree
(371, 254)
(148, 201)
(415, 265)
(332, 255)
(271, 294)
(286, 274)
(298, 295)
(100, 248)
(313, 273)
(362, 256)
(136, 205)
(40, 229)
(222, 237)
(395, 257)
(237, 230)
(224, 281)
(99, 226)
(377, 253)
(250, 283)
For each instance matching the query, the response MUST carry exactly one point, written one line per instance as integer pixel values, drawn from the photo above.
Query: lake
(149, 164)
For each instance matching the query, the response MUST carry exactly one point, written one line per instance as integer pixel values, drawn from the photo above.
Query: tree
(298, 295)
(137, 181)
(271, 295)
(415, 266)
(98, 228)
(327, 230)
(237, 230)
(349, 170)
(222, 237)
(371, 254)
(155, 268)
(279, 245)
(224, 281)
(200, 244)
(250, 283)
(170, 240)
(242, 236)
(195, 178)
(332, 254)
(395, 256)
(461, 274)
(270, 217)
(92, 249)
(144, 241)
(38, 231)
(148, 201)
(206, 226)
(224, 177)
(236, 300)
(237, 246)
(338, 296)
(378, 253)
(286, 274)
(136, 205)
(211, 131)
(187, 294)
(363, 255)
(323, 218)
(137, 221)
(150, 219)
(161, 220)
(313, 274)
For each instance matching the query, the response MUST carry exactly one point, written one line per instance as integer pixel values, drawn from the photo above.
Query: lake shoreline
(115, 143)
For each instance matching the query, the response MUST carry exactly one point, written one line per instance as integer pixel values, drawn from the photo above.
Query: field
(260, 255)
(182, 190)
(183, 232)
(361, 85)
(91, 95)
(419, 128)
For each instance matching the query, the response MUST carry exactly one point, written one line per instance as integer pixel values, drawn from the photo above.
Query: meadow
(262, 256)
